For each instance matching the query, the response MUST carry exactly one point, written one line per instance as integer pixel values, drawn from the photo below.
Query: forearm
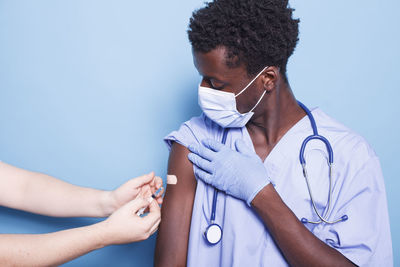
(43, 194)
(62, 199)
(49, 249)
(299, 246)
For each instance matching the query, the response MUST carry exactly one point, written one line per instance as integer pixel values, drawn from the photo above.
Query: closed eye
(217, 85)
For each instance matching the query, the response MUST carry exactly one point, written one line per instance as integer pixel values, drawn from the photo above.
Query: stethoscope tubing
(215, 197)
(314, 136)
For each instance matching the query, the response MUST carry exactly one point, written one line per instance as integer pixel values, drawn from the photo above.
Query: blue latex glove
(240, 173)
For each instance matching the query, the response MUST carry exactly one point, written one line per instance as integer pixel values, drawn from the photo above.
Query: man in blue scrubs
(241, 49)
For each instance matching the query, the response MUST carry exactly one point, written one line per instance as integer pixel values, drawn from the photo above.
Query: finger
(137, 204)
(160, 192)
(159, 196)
(200, 162)
(154, 214)
(154, 208)
(202, 151)
(156, 186)
(212, 144)
(145, 192)
(144, 179)
(155, 227)
(206, 177)
(243, 148)
(158, 182)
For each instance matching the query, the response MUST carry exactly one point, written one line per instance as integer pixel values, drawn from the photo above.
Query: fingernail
(158, 192)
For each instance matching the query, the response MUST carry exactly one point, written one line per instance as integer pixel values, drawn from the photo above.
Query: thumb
(137, 204)
(242, 147)
(154, 213)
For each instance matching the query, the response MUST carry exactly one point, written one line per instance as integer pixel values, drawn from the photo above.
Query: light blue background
(88, 89)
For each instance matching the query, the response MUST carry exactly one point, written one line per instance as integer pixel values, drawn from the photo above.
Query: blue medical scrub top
(358, 192)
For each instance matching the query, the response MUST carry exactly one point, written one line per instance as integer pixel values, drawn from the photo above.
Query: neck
(275, 116)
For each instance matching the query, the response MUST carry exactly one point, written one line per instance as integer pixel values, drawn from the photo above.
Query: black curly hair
(257, 33)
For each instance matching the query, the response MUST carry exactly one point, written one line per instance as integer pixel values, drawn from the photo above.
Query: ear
(270, 78)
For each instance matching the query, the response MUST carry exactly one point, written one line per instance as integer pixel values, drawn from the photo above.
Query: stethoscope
(213, 232)
(316, 136)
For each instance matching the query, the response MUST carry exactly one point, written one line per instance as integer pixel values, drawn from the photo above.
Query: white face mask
(220, 106)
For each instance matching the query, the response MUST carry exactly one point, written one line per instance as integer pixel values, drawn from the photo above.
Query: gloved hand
(240, 173)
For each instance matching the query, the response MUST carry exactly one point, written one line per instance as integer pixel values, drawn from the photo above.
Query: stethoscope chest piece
(213, 234)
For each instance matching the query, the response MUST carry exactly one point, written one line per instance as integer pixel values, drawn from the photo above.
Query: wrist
(104, 233)
(107, 203)
(257, 187)
(261, 195)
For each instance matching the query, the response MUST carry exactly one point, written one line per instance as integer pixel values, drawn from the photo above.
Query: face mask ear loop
(251, 82)
(259, 100)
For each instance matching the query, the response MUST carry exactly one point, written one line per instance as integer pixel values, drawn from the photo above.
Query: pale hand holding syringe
(149, 199)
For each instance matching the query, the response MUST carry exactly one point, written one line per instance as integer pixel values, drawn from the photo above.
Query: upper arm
(176, 213)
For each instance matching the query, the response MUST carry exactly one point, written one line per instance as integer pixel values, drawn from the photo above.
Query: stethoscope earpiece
(304, 220)
(342, 219)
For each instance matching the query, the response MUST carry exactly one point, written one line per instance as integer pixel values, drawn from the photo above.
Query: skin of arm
(57, 248)
(173, 235)
(297, 243)
(42, 194)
